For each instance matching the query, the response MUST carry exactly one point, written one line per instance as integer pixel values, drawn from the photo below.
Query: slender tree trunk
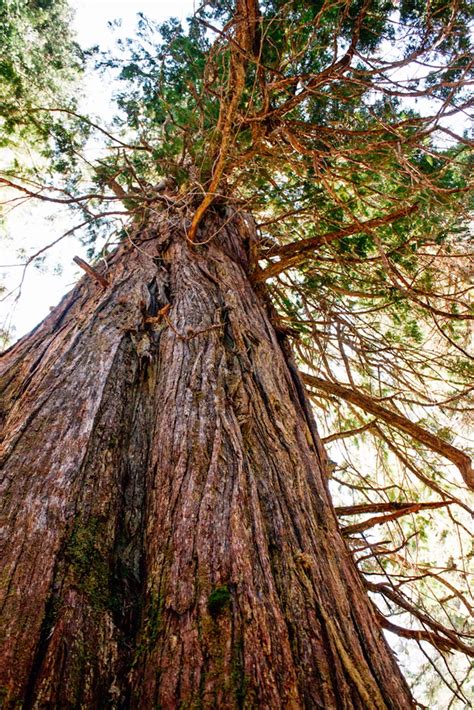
(169, 539)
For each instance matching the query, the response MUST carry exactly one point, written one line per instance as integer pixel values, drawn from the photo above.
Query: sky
(92, 16)
(31, 226)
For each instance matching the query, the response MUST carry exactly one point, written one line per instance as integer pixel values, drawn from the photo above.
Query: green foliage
(37, 46)
(39, 65)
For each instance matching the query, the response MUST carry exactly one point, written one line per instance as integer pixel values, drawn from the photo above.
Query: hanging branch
(429, 482)
(452, 637)
(382, 519)
(433, 442)
(387, 507)
(435, 639)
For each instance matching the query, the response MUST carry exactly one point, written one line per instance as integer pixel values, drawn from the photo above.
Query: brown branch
(399, 600)
(386, 507)
(62, 201)
(247, 17)
(117, 189)
(296, 252)
(443, 644)
(433, 442)
(382, 519)
(310, 83)
(421, 476)
(348, 433)
(402, 285)
(91, 271)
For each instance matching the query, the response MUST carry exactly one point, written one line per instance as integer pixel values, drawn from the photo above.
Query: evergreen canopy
(39, 60)
(334, 124)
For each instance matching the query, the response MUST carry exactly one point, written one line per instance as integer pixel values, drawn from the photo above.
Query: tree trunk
(169, 537)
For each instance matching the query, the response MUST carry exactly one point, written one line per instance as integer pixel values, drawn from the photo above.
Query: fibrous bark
(169, 539)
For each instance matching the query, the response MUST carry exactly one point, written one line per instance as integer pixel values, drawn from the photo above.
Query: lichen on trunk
(169, 537)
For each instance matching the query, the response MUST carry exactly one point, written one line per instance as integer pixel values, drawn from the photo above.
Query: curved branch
(247, 17)
(443, 644)
(46, 198)
(296, 252)
(433, 442)
(387, 507)
(382, 519)
(452, 637)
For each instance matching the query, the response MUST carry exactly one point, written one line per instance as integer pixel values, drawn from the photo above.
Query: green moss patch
(218, 599)
(89, 566)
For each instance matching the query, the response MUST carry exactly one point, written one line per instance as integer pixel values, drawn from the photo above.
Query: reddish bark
(169, 540)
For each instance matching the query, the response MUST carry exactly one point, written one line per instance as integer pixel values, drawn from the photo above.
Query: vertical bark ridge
(72, 456)
(173, 543)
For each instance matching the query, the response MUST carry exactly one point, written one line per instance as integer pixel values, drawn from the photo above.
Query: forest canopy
(340, 126)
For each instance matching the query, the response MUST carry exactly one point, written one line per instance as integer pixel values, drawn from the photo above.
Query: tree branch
(382, 519)
(443, 644)
(247, 17)
(296, 252)
(386, 507)
(399, 600)
(433, 442)
(347, 433)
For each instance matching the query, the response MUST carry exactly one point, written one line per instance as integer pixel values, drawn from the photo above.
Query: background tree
(40, 66)
(40, 61)
(282, 189)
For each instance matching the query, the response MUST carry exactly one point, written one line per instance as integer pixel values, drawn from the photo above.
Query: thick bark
(169, 539)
